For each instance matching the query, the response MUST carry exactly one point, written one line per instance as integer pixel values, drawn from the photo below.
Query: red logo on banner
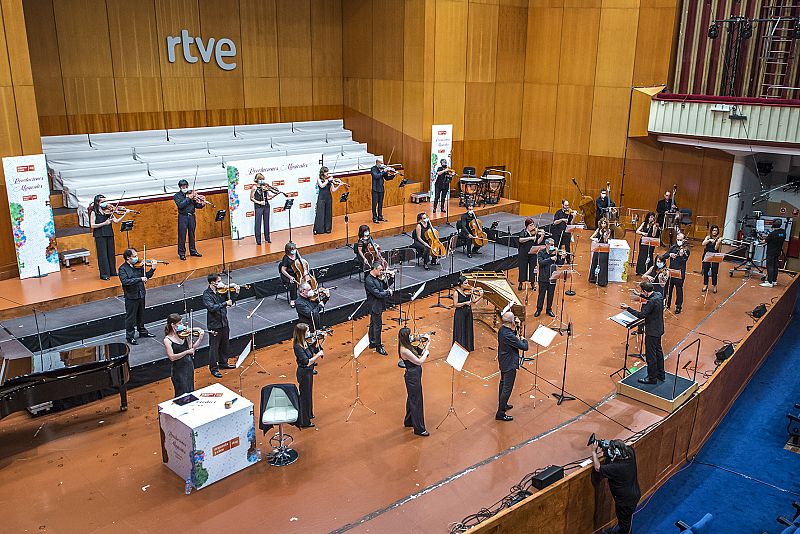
(276, 183)
(277, 210)
(249, 186)
(304, 180)
(442, 132)
(250, 214)
(305, 205)
(25, 168)
(225, 446)
(292, 194)
(28, 197)
(211, 394)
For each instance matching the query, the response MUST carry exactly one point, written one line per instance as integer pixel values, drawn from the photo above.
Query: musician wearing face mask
(465, 231)
(187, 203)
(664, 206)
(361, 247)
(376, 285)
(678, 255)
(133, 279)
(648, 228)
(260, 196)
(561, 219)
(310, 306)
(421, 244)
(598, 272)
(711, 244)
(323, 221)
(529, 237)
(101, 217)
(774, 246)
(603, 203)
(180, 352)
(306, 352)
(509, 342)
(217, 305)
(380, 175)
(658, 275)
(548, 259)
(286, 271)
(442, 185)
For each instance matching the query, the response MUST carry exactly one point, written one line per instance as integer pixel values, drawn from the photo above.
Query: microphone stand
(571, 292)
(182, 285)
(38, 332)
(346, 199)
(561, 396)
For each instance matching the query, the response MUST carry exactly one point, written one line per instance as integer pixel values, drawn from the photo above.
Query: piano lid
(18, 363)
(498, 291)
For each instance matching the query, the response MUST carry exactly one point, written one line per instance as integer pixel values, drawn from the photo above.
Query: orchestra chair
(698, 528)
(280, 405)
(285, 292)
(469, 171)
(686, 217)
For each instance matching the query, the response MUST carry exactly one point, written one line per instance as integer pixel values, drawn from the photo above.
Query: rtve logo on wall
(221, 49)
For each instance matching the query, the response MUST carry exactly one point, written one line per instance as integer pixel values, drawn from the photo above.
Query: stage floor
(95, 469)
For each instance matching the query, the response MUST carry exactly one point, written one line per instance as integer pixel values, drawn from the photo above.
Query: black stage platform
(103, 321)
(666, 395)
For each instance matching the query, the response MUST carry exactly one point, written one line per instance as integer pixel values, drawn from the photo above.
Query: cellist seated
(465, 236)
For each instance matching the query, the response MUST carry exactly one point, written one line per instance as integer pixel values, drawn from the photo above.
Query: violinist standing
(413, 357)
(306, 351)
(376, 285)
(648, 228)
(380, 174)
(509, 343)
(441, 185)
(187, 203)
(465, 231)
(561, 219)
(711, 244)
(678, 255)
(548, 258)
(133, 279)
(466, 296)
(529, 237)
(323, 220)
(217, 305)
(260, 197)
(101, 217)
(598, 271)
(180, 351)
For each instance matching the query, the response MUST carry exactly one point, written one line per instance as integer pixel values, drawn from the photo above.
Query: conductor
(509, 343)
(653, 314)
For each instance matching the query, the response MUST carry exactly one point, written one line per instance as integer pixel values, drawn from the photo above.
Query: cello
(588, 207)
(479, 238)
(438, 250)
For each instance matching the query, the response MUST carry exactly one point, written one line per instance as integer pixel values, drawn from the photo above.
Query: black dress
(323, 220)
(645, 258)
(182, 370)
(526, 262)
(415, 413)
(598, 272)
(710, 270)
(462, 323)
(305, 381)
(104, 243)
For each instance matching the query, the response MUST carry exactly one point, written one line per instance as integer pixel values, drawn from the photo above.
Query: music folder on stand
(542, 337)
(456, 359)
(629, 321)
(357, 350)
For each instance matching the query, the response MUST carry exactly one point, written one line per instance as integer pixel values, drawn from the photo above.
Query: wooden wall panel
(507, 109)
(479, 108)
(579, 34)
(656, 30)
(450, 52)
(512, 32)
(259, 47)
(609, 121)
(294, 38)
(387, 42)
(482, 26)
(542, 56)
(326, 40)
(538, 117)
(573, 119)
(356, 43)
(616, 49)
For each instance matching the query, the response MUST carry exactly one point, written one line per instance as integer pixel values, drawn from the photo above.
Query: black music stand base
(561, 398)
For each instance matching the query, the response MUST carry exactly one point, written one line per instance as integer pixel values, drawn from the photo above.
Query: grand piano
(499, 292)
(52, 379)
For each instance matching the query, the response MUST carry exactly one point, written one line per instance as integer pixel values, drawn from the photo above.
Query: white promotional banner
(295, 176)
(441, 148)
(31, 215)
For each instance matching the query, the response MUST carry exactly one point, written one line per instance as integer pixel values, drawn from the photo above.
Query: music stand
(456, 359)
(561, 274)
(400, 185)
(127, 226)
(598, 248)
(542, 337)
(653, 242)
(344, 198)
(627, 320)
(250, 347)
(571, 292)
(561, 396)
(288, 208)
(357, 350)
(219, 217)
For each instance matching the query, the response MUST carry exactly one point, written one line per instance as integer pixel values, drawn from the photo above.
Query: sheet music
(419, 291)
(624, 318)
(243, 356)
(457, 356)
(362, 344)
(543, 336)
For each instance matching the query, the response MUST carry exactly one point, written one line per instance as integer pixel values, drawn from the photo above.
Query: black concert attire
(377, 294)
(415, 412)
(441, 187)
(422, 251)
(526, 262)
(774, 241)
(464, 231)
(653, 314)
(462, 323)
(310, 311)
(598, 272)
(710, 269)
(133, 287)
(305, 382)
(217, 320)
(624, 484)
(323, 220)
(104, 243)
(602, 205)
(663, 207)
(660, 280)
(262, 215)
(645, 258)
(288, 264)
(508, 347)
(378, 179)
(547, 266)
(182, 369)
(186, 221)
(679, 263)
(360, 249)
(559, 231)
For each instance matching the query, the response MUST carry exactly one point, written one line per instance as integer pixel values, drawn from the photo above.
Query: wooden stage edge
(81, 283)
(581, 502)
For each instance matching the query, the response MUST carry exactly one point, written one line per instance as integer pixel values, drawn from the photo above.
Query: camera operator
(622, 480)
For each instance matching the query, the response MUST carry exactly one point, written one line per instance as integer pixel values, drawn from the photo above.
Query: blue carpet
(750, 441)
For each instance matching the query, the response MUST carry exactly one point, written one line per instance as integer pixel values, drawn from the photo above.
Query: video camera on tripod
(613, 449)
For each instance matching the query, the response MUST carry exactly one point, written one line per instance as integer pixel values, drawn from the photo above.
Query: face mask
(311, 293)
(179, 328)
(659, 264)
(602, 195)
(184, 189)
(220, 283)
(261, 182)
(104, 205)
(134, 259)
(471, 212)
(292, 253)
(366, 235)
(425, 221)
(551, 248)
(679, 242)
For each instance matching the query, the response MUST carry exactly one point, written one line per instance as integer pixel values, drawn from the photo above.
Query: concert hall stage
(98, 469)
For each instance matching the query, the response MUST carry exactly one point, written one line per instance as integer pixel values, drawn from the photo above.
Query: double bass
(588, 207)
(617, 230)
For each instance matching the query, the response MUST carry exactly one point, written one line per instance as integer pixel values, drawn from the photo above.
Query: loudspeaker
(547, 476)
(725, 352)
(759, 311)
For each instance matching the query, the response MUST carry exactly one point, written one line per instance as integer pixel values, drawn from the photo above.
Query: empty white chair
(183, 168)
(128, 139)
(339, 137)
(72, 178)
(171, 152)
(61, 143)
(255, 155)
(317, 126)
(206, 179)
(284, 141)
(279, 406)
(194, 135)
(249, 131)
(365, 162)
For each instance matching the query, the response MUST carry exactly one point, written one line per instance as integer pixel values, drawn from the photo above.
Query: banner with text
(31, 215)
(295, 176)
(441, 148)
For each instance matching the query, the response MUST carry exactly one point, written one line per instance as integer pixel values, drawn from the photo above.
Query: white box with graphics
(205, 440)
(619, 252)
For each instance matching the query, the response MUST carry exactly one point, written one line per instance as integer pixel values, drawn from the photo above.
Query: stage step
(56, 200)
(74, 237)
(65, 217)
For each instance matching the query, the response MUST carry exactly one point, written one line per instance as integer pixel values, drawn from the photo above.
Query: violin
(479, 238)
(197, 197)
(118, 210)
(319, 334)
(325, 292)
(149, 263)
(232, 288)
(338, 183)
(474, 291)
(421, 340)
(438, 250)
(267, 188)
(194, 332)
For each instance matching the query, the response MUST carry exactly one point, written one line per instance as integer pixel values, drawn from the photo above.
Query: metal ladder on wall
(778, 50)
